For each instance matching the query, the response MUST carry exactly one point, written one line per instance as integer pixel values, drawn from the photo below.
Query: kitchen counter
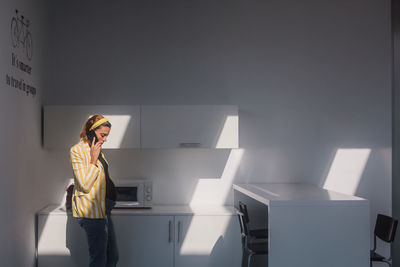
(297, 195)
(311, 226)
(209, 210)
(177, 233)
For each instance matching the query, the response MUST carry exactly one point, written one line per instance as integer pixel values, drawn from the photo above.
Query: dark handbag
(68, 200)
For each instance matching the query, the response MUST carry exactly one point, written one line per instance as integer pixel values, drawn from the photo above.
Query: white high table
(312, 227)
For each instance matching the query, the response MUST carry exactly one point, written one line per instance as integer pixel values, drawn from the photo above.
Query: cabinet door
(144, 241)
(63, 124)
(189, 126)
(61, 242)
(207, 241)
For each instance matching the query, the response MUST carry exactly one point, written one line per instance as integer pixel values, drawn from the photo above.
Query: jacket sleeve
(85, 177)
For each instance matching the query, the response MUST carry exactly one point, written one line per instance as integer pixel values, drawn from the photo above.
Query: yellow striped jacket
(88, 200)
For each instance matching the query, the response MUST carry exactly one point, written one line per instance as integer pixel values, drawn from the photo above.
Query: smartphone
(92, 135)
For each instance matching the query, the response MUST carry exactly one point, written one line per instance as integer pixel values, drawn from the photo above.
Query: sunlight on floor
(346, 170)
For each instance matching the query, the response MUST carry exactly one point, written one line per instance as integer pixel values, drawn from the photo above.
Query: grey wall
(396, 125)
(23, 186)
(309, 78)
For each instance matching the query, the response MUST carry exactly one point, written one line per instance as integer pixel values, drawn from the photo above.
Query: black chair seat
(376, 257)
(258, 248)
(259, 233)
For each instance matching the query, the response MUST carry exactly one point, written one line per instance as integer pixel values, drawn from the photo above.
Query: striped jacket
(88, 200)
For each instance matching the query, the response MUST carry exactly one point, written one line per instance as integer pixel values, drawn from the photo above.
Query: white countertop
(274, 194)
(155, 210)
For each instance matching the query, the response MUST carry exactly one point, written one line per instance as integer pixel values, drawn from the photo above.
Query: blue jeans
(103, 251)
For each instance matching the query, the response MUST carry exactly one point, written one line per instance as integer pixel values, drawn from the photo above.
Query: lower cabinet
(207, 241)
(61, 242)
(145, 241)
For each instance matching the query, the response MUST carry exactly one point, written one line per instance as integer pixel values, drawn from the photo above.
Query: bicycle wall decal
(20, 34)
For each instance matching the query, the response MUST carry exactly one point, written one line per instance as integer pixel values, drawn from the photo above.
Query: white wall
(22, 184)
(309, 77)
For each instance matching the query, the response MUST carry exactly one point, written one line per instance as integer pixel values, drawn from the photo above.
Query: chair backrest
(242, 221)
(243, 209)
(385, 228)
(240, 217)
(243, 229)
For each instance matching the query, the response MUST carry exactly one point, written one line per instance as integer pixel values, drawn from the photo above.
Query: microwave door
(127, 197)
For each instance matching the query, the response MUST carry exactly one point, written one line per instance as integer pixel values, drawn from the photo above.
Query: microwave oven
(134, 194)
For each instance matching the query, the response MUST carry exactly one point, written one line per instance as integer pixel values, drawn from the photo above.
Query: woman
(94, 192)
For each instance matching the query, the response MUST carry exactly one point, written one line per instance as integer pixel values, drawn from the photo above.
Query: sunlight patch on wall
(119, 125)
(216, 190)
(229, 137)
(346, 170)
(213, 191)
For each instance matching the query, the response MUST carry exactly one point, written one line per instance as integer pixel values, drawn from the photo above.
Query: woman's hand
(95, 151)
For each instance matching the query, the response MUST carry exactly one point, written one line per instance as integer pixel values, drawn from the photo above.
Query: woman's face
(102, 133)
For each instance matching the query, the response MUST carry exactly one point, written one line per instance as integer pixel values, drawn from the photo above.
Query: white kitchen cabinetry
(204, 126)
(168, 236)
(207, 241)
(61, 242)
(145, 241)
(63, 124)
(147, 126)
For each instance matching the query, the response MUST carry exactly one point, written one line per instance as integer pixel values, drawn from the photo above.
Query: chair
(385, 229)
(251, 245)
(255, 233)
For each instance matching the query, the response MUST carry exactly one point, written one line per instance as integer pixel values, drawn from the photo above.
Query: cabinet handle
(169, 232)
(179, 231)
(189, 145)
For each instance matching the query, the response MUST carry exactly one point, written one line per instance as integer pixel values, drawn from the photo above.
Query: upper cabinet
(147, 126)
(63, 124)
(203, 126)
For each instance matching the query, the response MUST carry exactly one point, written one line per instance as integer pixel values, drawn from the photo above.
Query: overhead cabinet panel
(177, 126)
(63, 124)
(161, 126)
